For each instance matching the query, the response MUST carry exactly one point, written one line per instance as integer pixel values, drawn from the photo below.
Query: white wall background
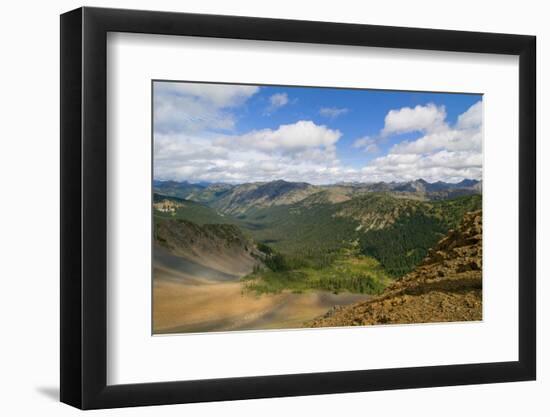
(29, 219)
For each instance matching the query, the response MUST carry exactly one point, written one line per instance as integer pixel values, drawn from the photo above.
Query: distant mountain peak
(238, 198)
(467, 182)
(281, 182)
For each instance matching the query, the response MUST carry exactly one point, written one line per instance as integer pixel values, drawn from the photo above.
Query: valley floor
(205, 300)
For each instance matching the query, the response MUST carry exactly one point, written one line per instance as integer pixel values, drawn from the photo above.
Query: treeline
(311, 233)
(358, 283)
(402, 246)
(298, 274)
(262, 281)
(451, 212)
(316, 258)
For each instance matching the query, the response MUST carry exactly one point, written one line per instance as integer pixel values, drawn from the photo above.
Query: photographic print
(285, 207)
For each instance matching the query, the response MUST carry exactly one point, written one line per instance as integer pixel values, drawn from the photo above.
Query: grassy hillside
(348, 272)
(298, 230)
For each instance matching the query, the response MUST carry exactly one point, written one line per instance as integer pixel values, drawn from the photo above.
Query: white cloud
(332, 112)
(450, 139)
(472, 118)
(302, 151)
(444, 153)
(427, 118)
(297, 136)
(449, 167)
(366, 144)
(191, 107)
(277, 101)
(219, 95)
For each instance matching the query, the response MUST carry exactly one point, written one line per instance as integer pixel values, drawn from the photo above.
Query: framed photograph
(257, 208)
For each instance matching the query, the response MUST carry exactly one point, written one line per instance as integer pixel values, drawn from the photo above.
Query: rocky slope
(447, 286)
(219, 246)
(258, 195)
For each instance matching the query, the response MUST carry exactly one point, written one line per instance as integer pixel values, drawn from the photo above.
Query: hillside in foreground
(222, 247)
(446, 286)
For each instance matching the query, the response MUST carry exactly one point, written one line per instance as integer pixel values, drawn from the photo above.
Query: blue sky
(243, 133)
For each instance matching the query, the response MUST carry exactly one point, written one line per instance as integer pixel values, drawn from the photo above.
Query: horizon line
(320, 184)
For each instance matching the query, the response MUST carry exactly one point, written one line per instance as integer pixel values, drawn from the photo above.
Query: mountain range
(315, 222)
(237, 199)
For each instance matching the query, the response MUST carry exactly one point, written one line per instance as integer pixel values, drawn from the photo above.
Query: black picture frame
(84, 207)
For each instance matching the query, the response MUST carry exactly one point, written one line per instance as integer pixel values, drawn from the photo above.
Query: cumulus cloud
(332, 112)
(418, 119)
(441, 166)
(297, 136)
(472, 118)
(366, 144)
(191, 107)
(277, 101)
(219, 95)
(443, 153)
(302, 151)
(450, 139)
